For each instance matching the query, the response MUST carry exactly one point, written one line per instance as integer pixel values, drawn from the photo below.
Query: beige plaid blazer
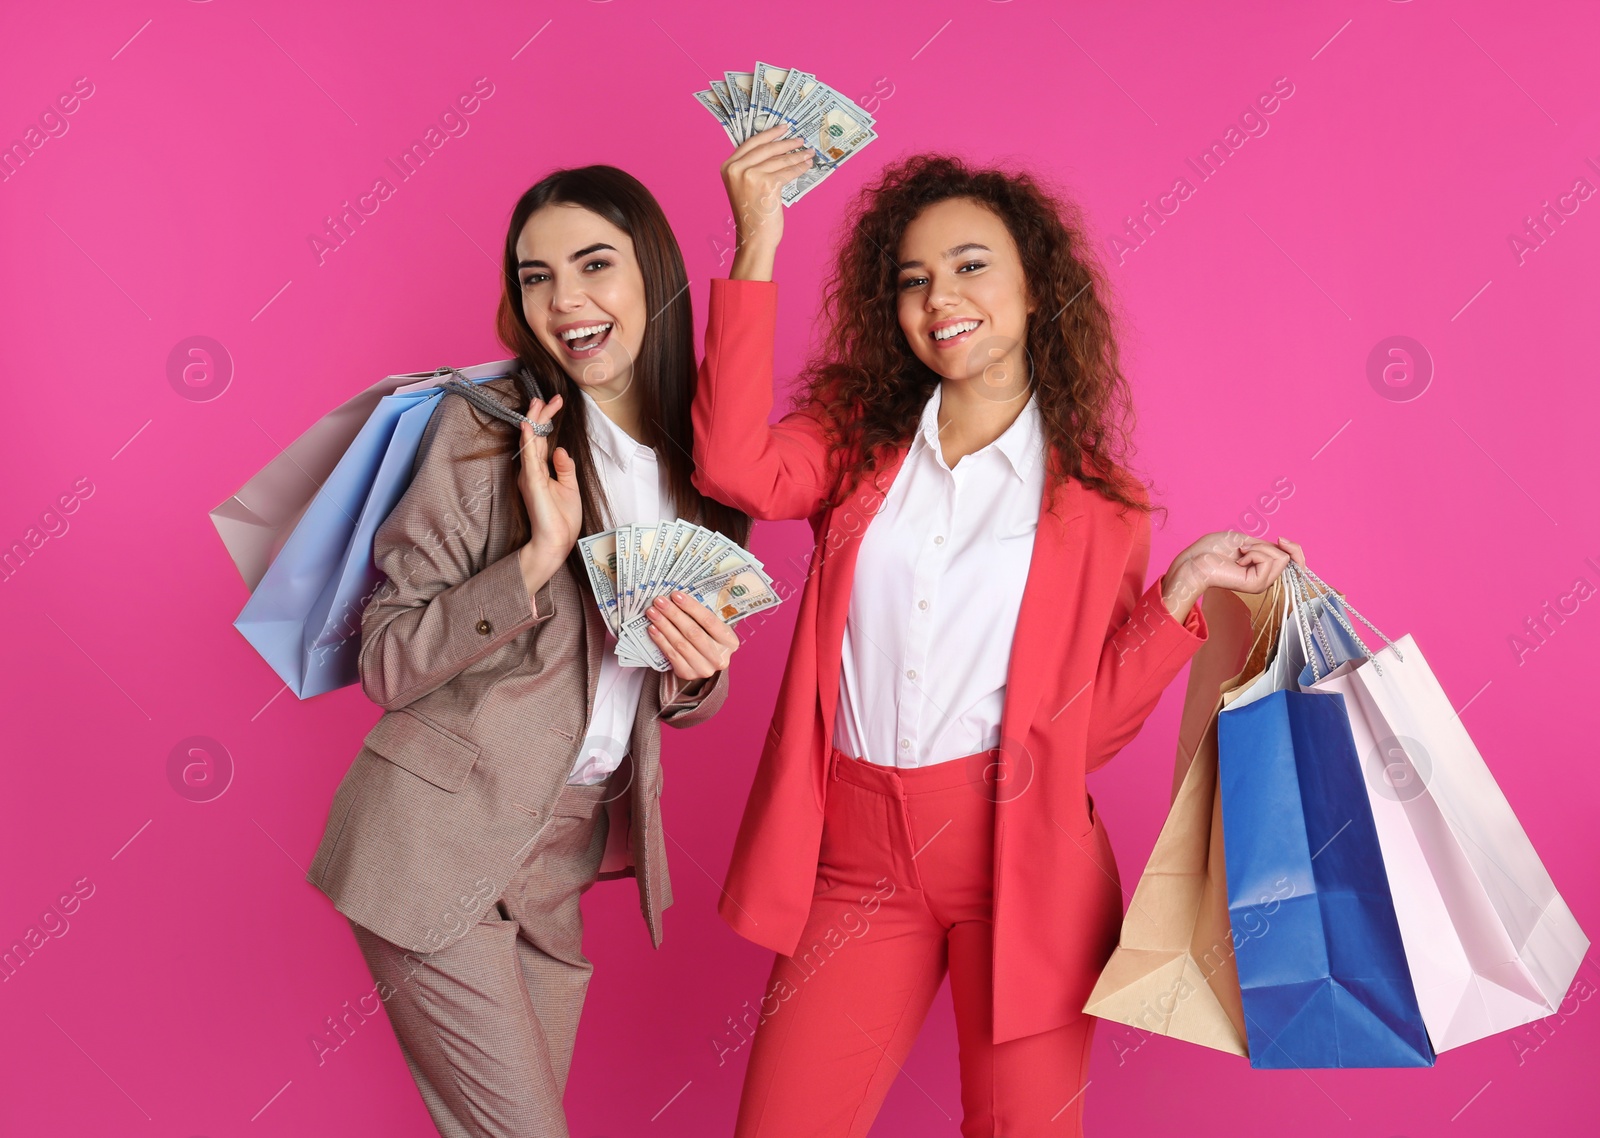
(485, 699)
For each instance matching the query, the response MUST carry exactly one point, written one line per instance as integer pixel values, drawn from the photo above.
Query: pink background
(182, 997)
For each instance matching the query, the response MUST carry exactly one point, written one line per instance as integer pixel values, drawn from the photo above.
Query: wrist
(538, 564)
(1181, 586)
(755, 259)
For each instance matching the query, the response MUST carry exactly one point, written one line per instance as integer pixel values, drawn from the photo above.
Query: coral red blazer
(1092, 652)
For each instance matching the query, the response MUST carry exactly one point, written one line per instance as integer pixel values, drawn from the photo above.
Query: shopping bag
(1172, 972)
(304, 613)
(1489, 940)
(256, 520)
(1322, 967)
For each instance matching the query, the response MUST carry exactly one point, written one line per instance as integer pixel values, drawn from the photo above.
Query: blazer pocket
(423, 748)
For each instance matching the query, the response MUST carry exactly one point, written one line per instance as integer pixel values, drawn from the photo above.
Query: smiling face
(963, 296)
(583, 295)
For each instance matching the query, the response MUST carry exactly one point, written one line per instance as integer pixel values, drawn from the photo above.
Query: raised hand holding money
(831, 126)
(755, 174)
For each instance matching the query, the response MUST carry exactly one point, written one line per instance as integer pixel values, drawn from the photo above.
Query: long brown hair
(664, 372)
(869, 388)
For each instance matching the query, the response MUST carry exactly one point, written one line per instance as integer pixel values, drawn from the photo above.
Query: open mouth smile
(581, 341)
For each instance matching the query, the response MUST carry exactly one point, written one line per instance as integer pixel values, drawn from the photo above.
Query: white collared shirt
(933, 608)
(636, 490)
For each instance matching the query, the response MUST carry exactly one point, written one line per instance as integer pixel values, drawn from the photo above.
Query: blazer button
(484, 628)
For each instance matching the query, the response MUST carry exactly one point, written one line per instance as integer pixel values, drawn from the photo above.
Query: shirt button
(939, 540)
(905, 744)
(911, 673)
(484, 628)
(922, 604)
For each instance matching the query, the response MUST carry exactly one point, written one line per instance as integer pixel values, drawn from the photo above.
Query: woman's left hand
(1229, 559)
(695, 640)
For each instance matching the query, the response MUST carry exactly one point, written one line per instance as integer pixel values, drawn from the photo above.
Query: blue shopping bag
(304, 616)
(1322, 969)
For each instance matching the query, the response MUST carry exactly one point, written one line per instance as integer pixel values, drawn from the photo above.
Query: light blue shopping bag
(304, 616)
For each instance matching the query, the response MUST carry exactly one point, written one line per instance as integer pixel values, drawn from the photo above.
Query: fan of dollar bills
(632, 565)
(751, 101)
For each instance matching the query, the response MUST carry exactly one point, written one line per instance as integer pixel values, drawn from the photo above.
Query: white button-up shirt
(933, 608)
(636, 490)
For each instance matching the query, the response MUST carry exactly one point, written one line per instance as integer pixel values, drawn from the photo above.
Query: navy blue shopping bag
(1322, 970)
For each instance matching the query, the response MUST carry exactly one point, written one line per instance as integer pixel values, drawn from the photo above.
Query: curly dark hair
(867, 386)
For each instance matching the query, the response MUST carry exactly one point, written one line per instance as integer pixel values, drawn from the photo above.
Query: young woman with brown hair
(975, 636)
(516, 761)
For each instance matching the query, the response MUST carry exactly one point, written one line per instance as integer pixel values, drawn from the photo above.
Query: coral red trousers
(905, 891)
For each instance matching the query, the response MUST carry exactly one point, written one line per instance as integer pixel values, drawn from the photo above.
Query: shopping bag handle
(487, 403)
(1306, 578)
(1302, 601)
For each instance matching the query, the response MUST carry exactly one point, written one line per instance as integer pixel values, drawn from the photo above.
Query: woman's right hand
(555, 510)
(754, 175)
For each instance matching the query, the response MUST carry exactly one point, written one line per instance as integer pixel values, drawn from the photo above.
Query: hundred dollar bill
(687, 555)
(801, 186)
(665, 542)
(711, 556)
(681, 534)
(735, 594)
(646, 549)
(730, 107)
(710, 102)
(767, 85)
(837, 128)
(741, 85)
(796, 89)
(599, 553)
(624, 568)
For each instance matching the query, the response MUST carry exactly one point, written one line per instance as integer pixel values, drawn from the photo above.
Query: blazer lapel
(1054, 575)
(595, 642)
(840, 545)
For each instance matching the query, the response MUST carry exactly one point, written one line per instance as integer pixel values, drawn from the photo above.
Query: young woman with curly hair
(974, 637)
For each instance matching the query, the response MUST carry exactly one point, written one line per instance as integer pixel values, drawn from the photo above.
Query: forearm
(1147, 650)
(409, 649)
(754, 261)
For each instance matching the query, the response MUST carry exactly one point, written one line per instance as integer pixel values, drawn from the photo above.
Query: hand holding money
(829, 124)
(695, 641)
(755, 175)
(633, 567)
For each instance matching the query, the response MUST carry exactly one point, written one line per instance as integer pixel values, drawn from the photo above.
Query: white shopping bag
(1489, 942)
